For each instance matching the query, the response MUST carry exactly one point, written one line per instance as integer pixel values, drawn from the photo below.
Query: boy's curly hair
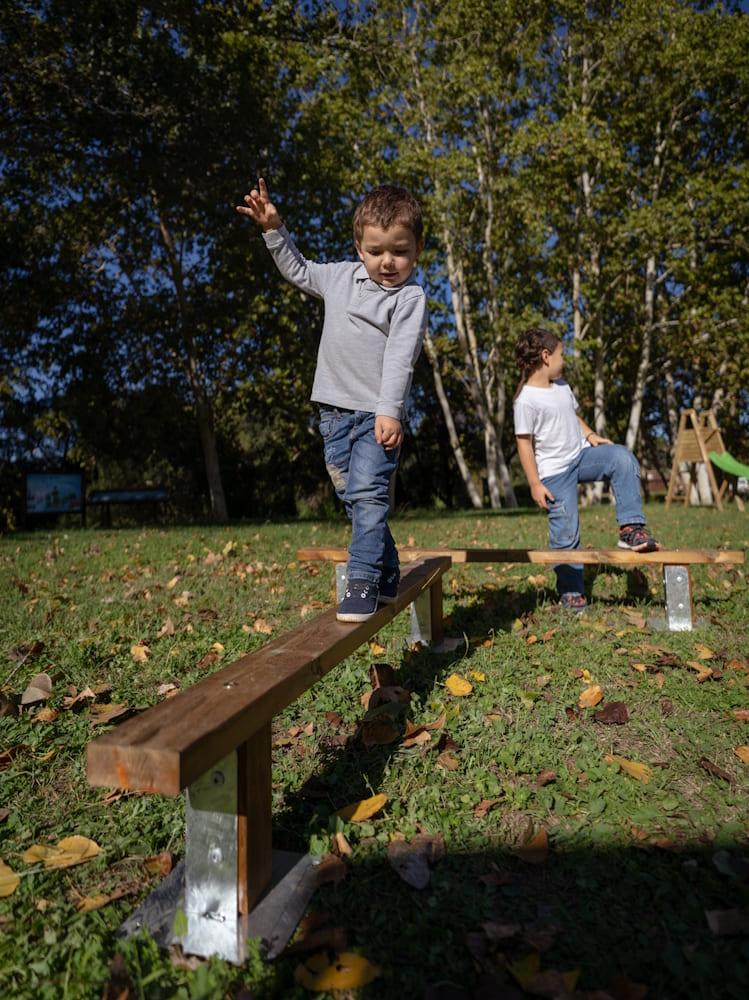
(531, 343)
(386, 206)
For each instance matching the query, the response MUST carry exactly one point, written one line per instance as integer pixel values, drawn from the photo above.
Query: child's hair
(531, 344)
(386, 206)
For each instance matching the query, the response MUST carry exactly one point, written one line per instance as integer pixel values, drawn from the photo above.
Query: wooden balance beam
(676, 576)
(214, 739)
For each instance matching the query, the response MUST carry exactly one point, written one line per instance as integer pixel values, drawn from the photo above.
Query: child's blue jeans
(361, 469)
(612, 463)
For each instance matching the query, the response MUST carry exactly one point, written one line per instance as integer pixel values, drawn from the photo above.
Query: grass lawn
(553, 849)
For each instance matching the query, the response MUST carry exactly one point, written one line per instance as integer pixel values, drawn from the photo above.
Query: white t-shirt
(549, 415)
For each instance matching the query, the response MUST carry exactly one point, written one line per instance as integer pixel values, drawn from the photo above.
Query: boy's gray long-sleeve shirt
(371, 336)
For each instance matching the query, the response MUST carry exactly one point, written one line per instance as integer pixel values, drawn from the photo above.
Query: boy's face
(389, 255)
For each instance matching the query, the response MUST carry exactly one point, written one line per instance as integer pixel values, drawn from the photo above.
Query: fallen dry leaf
(636, 770)
(713, 769)
(376, 647)
(742, 752)
(9, 881)
(67, 852)
(343, 971)
(458, 686)
(46, 715)
(741, 714)
(703, 652)
(158, 864)
(724, 923)
(409, 863)
(261, 625)
(341, 846)
(484, 806)
(358, 812)
(590, 696)
(166, 629)
(545, 777)
(102, 714)
(536, 850)
(448, 762)
(140, 652)
(613, 714)
(39, 689)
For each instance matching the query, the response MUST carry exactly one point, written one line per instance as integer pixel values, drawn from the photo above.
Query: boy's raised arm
(260, 208)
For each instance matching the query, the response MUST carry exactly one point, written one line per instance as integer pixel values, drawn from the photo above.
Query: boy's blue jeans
(612, 463)
(361, 469)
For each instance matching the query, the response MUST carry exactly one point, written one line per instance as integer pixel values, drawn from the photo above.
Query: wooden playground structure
(699, 441)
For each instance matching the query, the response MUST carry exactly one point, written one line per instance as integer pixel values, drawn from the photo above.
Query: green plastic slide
(728, 464)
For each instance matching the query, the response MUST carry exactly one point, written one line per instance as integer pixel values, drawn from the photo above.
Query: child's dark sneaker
(573, 602)
(638, 538)
(389, 583)
(359, 602)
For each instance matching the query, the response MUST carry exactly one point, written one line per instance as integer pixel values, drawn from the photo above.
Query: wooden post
(254, 847)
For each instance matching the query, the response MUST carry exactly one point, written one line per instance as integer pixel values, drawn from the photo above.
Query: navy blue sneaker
(389, 583)
(359, 602)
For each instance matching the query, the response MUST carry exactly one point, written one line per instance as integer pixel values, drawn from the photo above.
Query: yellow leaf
(590, 696)
(9, 881)
(641, 667)
(703, 652)
(525, 968)
(536, 850)
(458, 685)
(345, 971)
(376, 647)
(357, 812)
(46, 715)
(88, 903)
(139, 652)
(742, 752)
(262, 626)
(68, 852)
(217, 647)
(587, 677)
(636, 770)
(172, 583)
(229, 547)
(478, 675)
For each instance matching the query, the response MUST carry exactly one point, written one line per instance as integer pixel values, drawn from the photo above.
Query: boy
(375, 318)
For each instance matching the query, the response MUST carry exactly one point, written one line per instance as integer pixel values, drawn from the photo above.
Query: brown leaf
(741, 714)
(377, 732)
(119, 985)
(209, 658)
(536, 850)
(261, 625)
(742, 752)
(418, 737)
(39, 689)
(331, 869)
(100, 715)
(158, 864)
(27, 652)
(409, 863)
(140, 652)
(166, 629)
(667, 707)
(484, 806)
(448, 762)
(614, 713)
(724, 923)
(718, 772)
(332, 938)
(334, 718)
(381, 675)
(545, 777)
(167, 690)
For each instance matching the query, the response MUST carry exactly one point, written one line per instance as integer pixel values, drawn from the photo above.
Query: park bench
(676, 576)
(214, 740)
(104, 498)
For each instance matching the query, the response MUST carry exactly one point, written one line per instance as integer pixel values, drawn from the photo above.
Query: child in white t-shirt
(558, 450)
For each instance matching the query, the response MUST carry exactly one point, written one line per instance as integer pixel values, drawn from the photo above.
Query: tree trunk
(465, 473)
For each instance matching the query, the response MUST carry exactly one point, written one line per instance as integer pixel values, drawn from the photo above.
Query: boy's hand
(388, 432)
(260, 208)
(541, 495)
